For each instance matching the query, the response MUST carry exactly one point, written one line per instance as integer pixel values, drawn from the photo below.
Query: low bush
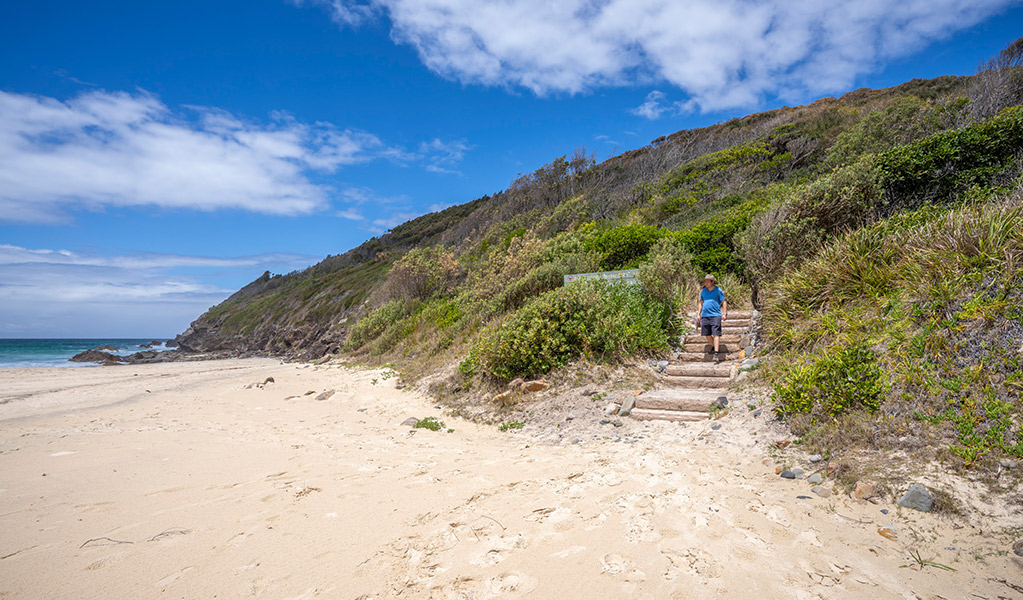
(586, 318)
(371, 326)
(840, 380)
(668, 274)
(623, 247)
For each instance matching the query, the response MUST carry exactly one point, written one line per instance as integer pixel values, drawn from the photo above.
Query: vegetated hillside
(878, 231)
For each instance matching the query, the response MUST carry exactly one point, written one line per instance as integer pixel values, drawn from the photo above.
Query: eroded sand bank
(228, 492)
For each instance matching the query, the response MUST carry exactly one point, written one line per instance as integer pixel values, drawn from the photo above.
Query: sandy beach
(179, 481)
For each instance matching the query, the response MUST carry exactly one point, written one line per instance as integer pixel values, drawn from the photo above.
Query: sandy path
(230, 492)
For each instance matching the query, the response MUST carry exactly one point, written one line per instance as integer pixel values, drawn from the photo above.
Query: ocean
(55, 353)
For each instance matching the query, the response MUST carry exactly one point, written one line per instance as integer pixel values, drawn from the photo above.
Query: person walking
(713, 309)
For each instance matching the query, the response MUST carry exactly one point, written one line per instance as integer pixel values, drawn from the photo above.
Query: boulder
(409, 422)
(864, 490)
(170, 344)
(917, 497)
(107, 348)
(515, 384)
(96, 356)
(533, 386)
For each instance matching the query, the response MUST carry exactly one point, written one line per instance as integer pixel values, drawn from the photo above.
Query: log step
(702, 339)
(645, 414)
(708, 349)
(736, 314)
(700, 370)
(696, 383)
(677, 400)
(742, 326)
(705, 357)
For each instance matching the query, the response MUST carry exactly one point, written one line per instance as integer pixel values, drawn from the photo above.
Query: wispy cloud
(59, 292)
(442, 156)
(722, 53)
(118, 149)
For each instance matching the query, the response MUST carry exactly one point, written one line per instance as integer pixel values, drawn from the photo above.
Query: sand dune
(176, 481)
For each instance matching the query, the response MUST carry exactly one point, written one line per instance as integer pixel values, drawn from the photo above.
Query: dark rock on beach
(96, 356)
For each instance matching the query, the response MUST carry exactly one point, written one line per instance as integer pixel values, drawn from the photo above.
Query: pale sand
(228, 492)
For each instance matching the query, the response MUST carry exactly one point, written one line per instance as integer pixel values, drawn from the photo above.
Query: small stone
(749, 363)
(1008, 464)
(616, 423)
(610, 409)
(409, 422)
(864, 490)
(884, 511)
(917, 497)
(627, 405)
(815, 478)
(361, 410)
(268, 380)
(570, 417)
(1017, 548)
(814, 458)
(721, 402)
(787, 474)
(803, 498)
(661, 366)
(325, 395)
(756, 413)
(798, 473)
(821, 491)
(716, 427)
(575, 441)
(778, 470)
(781, 444)
(605, 421)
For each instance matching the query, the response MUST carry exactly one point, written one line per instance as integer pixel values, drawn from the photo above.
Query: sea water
(55, 353)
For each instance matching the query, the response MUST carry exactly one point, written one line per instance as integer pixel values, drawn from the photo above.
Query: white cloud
(118, 149)
(441, 156)
(64, 293)
(722, 53)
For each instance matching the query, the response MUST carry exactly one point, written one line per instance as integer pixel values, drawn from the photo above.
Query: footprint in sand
(172, 577)
(508, 582)
(500, 549)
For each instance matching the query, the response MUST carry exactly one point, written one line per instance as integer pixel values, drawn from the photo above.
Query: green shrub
(623, 247)
(371, 326)
(940, 166)
(586, 318)
(905, 120)
(509, 425)
(431, 423)
(668, 275)
(841, 380)
(712, 242)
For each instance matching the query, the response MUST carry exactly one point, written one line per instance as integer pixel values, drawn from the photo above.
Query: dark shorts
(710, 325)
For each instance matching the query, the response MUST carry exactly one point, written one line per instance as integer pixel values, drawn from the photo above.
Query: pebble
(1008, 464)
(821, 491)
(787, 474)
(816, 458)
(570, 417)
(361, 410)
(815, 478)
(616, 423)
(1017, 548)
(715, 427)
(884, 511)
(798, 473)
(756, 413)
(605, 421)
(576, 441)
(409, 422)
(804, 498)
(610, 409)
(917, 497)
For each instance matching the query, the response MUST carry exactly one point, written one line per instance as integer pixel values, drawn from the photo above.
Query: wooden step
(701, 339)
(679, 400)
(646, 414)
(700, 370)
(732, 314)
(705, 357)
(696, 383)
(741, 326)
(709, 349)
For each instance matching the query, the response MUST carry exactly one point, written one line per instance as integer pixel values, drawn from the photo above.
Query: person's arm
(724, 309)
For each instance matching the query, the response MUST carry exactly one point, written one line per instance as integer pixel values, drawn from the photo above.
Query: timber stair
(697, 383)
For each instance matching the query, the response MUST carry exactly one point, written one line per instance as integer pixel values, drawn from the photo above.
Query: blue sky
(154, 157)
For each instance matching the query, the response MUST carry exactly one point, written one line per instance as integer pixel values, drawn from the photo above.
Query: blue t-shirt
(712, 300)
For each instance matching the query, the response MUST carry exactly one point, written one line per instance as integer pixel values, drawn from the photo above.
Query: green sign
(626, 276)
